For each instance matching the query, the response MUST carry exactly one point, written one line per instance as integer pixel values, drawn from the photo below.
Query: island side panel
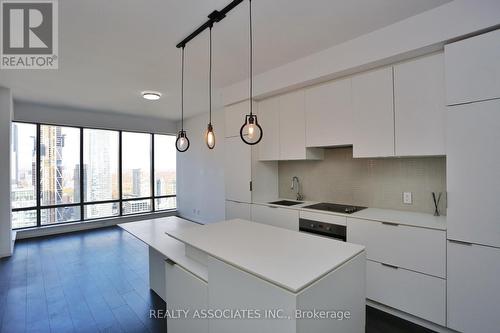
(343, 289)
(157, 272)
(231, 288)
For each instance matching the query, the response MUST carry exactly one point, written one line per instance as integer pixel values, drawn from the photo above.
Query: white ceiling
(112, 50)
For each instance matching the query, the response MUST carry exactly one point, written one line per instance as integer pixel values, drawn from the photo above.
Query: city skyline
(60, 173)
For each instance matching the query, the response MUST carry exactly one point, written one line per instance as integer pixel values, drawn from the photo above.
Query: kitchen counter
(283, 257)
(415, 219)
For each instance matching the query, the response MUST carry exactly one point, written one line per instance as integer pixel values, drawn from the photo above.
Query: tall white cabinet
(473, 69)
(245, 177)
(473, 181)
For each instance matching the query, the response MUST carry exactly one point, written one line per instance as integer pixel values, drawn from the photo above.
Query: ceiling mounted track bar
(214, 17)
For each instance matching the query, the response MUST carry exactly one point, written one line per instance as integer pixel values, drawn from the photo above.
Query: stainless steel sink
(286, 203)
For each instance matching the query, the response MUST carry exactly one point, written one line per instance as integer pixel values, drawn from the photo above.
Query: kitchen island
(260, 278)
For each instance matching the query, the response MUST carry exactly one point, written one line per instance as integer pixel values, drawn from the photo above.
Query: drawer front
(421, 295)
(276, 216)
(419, 249)
(326, 218)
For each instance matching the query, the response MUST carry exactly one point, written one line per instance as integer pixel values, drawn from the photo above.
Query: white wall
(417, 35)
(31, 112)
(200, 172)
(5, 137)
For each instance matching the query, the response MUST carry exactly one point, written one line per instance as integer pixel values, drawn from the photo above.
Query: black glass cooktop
(336, 208)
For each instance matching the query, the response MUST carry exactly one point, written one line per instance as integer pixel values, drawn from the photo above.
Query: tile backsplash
(376, 183)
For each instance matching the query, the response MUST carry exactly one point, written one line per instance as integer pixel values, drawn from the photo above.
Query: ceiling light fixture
(182, 142)
(210, 135)
(151, 95)
(251, 131)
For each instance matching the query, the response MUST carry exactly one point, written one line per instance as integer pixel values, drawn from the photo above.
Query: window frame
(83, 203)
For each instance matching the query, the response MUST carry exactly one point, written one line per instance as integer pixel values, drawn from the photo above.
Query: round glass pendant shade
(210, 137)
(182, 142)
(251, 132)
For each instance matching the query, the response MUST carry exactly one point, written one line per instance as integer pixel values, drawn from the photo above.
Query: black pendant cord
(182, 88)
(210, 78)
(251, 57)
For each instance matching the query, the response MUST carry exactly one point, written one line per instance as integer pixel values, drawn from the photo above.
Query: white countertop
(414, 219)
(289, 259)
(153, 233)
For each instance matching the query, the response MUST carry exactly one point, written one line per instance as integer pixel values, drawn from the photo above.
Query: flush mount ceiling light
(210, 135)
(151, 95)
(251, 132)
(182, 142)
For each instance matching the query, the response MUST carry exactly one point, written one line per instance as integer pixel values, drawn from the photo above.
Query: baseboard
(94, 224)
(409, 317)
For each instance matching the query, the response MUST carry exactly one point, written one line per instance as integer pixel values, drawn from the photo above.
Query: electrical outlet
(407, 198)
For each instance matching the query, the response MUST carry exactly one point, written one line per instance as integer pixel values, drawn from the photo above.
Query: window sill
(90, 224)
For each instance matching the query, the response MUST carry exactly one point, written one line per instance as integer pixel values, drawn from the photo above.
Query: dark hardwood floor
(96, 281)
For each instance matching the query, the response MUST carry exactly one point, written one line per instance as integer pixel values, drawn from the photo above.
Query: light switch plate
(407, 198)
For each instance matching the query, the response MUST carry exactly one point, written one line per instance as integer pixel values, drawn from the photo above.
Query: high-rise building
(136, 182)
(98, 178)
(51, 170)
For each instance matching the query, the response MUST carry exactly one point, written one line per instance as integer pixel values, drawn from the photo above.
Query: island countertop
(289, 259)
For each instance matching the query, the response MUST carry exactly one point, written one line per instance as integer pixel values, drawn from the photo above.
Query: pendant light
(210, 135)
(182, 142)
(251, 132)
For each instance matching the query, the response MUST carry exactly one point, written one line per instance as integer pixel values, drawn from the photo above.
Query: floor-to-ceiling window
(65, 174)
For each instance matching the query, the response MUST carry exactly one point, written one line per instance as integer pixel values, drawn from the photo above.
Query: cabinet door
(418, 249)
(238, 172)
(269, 113)
(419, 101)
(184, 291)
(473, 173)
(235, 117)
(276, 216)
(328, 109)
(238, 210)
(473, 69)
(292, 133)
(373, 114)
(473, 288)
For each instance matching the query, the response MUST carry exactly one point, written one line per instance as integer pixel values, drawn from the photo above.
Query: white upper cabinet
(419, 101)
(292, 133)
(473, 69)
(269, 117)
(283, 125)
(237, 167)
(328, 109)
(473, 173)
(235, 117)
(373, 113)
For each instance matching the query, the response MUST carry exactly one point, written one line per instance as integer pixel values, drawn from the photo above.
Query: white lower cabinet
(418, 294)
(406, 266)
(276, 216)
(185, 291)
(419, 249)
(238, 210)
(473, 288)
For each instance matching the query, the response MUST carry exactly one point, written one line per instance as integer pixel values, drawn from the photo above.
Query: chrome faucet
(295, 179)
